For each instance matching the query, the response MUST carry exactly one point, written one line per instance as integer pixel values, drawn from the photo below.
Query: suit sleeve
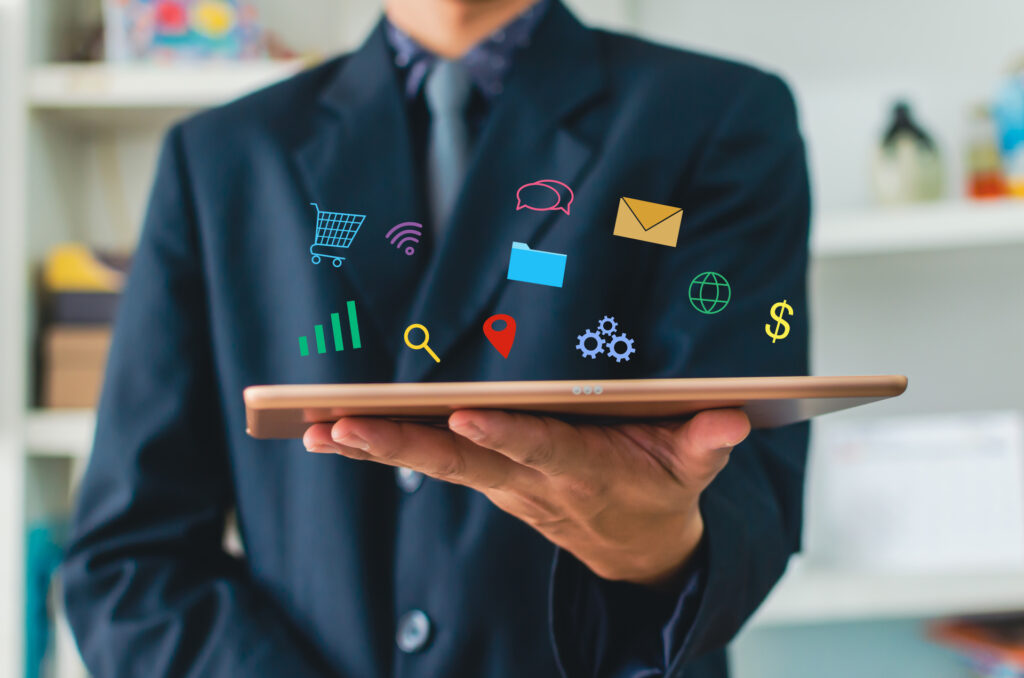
(148, 588)
(748, 214)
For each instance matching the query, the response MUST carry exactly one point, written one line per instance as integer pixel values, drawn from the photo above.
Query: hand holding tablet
(608, 494)
(603, 469)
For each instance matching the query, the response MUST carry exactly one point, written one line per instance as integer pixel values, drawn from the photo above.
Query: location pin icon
(501, 339)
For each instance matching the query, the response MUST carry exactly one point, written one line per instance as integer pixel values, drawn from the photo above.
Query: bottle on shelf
(1009, 115)
(984, 165)
(908, 165)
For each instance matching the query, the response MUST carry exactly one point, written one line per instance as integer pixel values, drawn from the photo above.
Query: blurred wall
(848, 60)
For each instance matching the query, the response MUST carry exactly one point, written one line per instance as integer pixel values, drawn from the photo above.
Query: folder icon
(536, 266)
(648, 221)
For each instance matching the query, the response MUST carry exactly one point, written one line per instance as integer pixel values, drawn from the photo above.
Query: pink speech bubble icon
(560, 193)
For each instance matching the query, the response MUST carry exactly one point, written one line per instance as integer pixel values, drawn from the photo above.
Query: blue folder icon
(536, 266)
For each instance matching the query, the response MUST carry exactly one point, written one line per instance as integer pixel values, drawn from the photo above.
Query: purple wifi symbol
(411, 234)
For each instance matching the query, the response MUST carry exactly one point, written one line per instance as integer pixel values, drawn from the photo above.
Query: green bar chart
(320, 338)
(353, 325)
(339, 342)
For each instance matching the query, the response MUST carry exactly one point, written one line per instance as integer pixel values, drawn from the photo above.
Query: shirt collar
(487, 63)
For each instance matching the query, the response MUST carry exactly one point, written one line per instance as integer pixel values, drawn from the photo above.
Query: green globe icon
(710, 292)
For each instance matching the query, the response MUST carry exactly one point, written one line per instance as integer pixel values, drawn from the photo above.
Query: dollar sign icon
(779, 308)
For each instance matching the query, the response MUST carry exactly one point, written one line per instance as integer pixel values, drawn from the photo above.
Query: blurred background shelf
(807, 595)
(929, 226)
(106, 86)
(60, 433)
(101, 94)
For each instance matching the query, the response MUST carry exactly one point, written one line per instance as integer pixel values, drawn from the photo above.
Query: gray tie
(447, 91)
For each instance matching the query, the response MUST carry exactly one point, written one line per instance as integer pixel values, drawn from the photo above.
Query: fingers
(487, 449)
(548, 445)
(432, 451)
(317, 438)
(704, 442)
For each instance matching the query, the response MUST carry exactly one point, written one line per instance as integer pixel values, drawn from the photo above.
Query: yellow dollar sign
(778, 309)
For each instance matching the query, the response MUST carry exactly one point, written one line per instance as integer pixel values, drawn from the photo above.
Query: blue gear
(620, 355)
(582, 345)
(603, 326)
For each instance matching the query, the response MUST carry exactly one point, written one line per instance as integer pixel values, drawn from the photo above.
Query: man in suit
(506, 545)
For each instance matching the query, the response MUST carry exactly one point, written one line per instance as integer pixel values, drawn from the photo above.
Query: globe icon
(710, 292)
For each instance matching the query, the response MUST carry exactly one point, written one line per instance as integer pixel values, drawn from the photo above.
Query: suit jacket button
(408, 479)
(413, 631)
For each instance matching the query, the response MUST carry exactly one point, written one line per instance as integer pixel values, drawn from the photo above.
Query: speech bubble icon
(544, 195)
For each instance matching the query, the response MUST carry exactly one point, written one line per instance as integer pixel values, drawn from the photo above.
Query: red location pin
(501, 339)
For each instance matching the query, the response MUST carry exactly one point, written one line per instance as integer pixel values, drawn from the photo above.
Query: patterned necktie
(447, 89)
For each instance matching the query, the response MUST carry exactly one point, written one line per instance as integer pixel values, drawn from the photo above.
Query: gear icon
(620, 355)
(607, 326)
(582, 345)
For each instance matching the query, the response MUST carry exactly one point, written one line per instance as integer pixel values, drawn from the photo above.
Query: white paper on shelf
(935, 493)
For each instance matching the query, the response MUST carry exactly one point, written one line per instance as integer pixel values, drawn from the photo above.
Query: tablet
(286, 411)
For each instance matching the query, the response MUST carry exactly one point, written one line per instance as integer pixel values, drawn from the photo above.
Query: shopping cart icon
(334, 231)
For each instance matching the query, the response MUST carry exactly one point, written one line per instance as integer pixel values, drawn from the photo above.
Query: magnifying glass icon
(426, 339)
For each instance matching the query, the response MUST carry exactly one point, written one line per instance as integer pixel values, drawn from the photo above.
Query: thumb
(703, 443)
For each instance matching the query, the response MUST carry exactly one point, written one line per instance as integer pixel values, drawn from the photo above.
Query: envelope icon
(648, 221)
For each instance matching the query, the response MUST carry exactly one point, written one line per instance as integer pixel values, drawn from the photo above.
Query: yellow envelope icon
(648, 221)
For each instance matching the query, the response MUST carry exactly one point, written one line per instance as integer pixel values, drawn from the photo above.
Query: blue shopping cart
(334, 231)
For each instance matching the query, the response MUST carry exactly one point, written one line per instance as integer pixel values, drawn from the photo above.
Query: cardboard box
(73, 362)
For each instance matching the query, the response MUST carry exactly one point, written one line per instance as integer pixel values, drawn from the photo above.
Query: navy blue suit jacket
(335, 552)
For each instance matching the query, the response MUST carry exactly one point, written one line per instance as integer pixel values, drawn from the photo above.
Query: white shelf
(60, 433)
(807, 596)
(111, 94)
(102, 85)
(931, 226)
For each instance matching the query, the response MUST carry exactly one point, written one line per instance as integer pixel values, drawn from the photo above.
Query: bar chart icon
(339, 340)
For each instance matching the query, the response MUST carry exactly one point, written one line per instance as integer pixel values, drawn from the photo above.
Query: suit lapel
(525, 139)
(360, 160)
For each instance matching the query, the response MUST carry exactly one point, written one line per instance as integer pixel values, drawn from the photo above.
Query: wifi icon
(339, 340)
(411, 234)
